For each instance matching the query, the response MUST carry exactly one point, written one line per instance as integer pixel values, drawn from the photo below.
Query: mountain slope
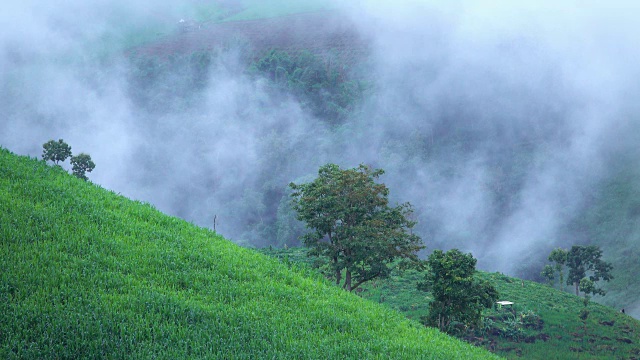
(611, 221)
(543, 322)
(87, 273)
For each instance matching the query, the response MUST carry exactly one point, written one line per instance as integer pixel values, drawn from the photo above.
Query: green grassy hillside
(86, 273)
(611, 221)
(543, 323)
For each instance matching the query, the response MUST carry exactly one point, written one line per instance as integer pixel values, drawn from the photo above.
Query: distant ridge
(317, 32)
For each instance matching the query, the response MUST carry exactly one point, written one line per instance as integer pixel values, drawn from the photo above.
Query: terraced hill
(86, 273)
(319, 32)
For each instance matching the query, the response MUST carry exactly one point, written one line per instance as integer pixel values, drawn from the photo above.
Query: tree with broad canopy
(56, 151)
(586, 260)
(457, 295)
(353, 227)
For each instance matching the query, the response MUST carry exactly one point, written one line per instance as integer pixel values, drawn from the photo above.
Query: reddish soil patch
(326, 33)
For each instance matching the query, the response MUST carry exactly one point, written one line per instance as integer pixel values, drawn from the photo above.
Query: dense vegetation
(458, 295)
(543, 323)
(86, 273)
(328, 91)
(581, 261)
(353, 227)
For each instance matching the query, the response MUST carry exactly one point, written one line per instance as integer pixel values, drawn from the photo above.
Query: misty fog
(496, 121)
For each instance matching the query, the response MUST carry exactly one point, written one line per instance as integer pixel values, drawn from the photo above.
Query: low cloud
(495, 121)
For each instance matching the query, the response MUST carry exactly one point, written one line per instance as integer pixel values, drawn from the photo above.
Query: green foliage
(542, 324)
(175, 82)
(512, 328)
(322, 88)
(587, 286)
(530, 319)
(59, 151)
(559, 257)
(287, 226)
(85, 273)
(354, 227)
(457, 295)
(587, 259)
(81, 165)
(581, 261)
(56, 151)
(549, 274)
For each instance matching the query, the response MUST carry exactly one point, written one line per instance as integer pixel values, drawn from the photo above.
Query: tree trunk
(347, 281)
(577, 288)
(338, 272)
(335, 262)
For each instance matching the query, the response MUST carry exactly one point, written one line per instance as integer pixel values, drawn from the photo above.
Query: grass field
(542, 324)
(86, 273)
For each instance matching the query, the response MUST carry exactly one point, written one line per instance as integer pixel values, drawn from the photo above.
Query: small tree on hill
(56, 151)
(354, 227)
(457, 295)
(82, 164)
(549, 274)
(583, 260)
(587, 287)
(559, 257)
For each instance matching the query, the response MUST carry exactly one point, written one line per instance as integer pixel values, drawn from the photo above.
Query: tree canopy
(353, 226)
(583, 260)
(82, 164)
(458, 295)
(548, 273)
(558, 256)
(56, 151)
